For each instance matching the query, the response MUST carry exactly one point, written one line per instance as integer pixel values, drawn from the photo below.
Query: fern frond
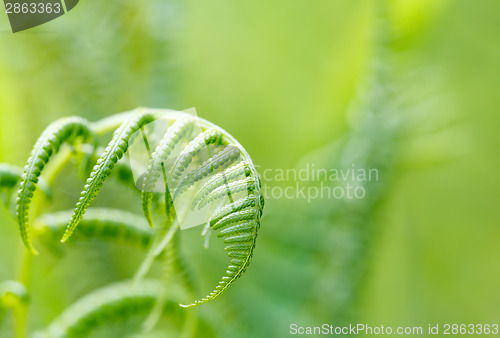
(238, 223)
(224, 190)
(240, 254)
(235, 217)
(63, 130)
(242, 203)
(103, 223)
(105, 164)
(210, 136)
(113, 302)
(239, 231)
(217, 180)
(171, 138)
(220, 160)
(10, 176)
(236, 229)
(88, 156)
(243, 237)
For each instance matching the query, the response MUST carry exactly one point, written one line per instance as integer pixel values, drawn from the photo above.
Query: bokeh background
(408, 87)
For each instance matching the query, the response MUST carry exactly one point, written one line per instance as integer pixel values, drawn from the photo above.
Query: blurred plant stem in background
(370, 143)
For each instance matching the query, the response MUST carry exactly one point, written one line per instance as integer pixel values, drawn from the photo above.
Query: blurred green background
(412, 92)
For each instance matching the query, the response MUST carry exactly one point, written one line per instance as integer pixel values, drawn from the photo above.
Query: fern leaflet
(105, 164)
(104, 223)
(174, 133)
(63, 130)
(102, 306)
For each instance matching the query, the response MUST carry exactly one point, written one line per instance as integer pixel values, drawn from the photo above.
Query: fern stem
(157, 248)
(20, 315)
(146, 143)
(24, 277)
(110, 123)
(54, 169)
(190, 323)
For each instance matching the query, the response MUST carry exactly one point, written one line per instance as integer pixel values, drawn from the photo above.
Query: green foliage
(112, 303)
(428, 228)
(87, 157)
(201, 141)
(235, 217)
(63, 130)
(219, 161)
(234, 207)
(239, 229)
(238, 221)
(10, 176)
(110, 225)
(105, 164)
(202, 199)
(173, 135)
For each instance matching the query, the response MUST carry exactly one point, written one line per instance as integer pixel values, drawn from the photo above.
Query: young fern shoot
(203, 166)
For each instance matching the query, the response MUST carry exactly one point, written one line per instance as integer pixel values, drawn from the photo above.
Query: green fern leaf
(219, 161)
(224, 190)
(10, 175)
(63, 130)
(105, 164)
(240, 253)
(171, 138)
(227, 209)
(239, 230)
(87, 156)
(218, 179)
(210, 136)
(103, 223)
(102, 306)
(236, 229)
(235, 217)
(237, 222)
